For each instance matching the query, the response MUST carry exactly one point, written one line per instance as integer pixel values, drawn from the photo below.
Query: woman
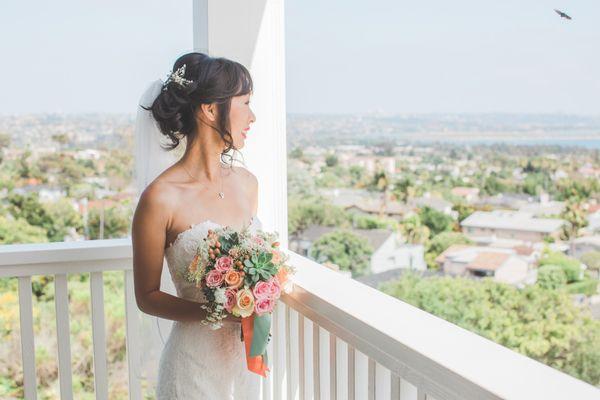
(205, 101)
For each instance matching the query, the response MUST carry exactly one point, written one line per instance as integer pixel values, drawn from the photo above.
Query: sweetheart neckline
(192, 226)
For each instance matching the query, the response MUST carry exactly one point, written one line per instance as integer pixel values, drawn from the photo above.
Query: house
(362, 202)
(470, 194)
(584, 245)
(437, 203)
(511, 225)
(388, 251)
(504, 265)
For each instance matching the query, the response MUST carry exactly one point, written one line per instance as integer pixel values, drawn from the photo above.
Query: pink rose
(223, 263)
(258, 240)
(214, 278)
(231, 295)
(261, 290)
(274, 288)
(264, 305)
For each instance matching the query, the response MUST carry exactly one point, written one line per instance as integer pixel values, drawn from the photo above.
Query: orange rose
(233, 279)
(282, 276)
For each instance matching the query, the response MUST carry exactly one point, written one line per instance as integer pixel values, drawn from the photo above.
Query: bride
(205, 102)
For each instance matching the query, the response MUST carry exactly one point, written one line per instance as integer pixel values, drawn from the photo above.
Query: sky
(431, 56)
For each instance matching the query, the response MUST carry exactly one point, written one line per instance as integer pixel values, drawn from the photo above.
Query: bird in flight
(562, 14)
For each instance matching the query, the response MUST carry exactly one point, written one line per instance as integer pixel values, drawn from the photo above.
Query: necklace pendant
(221, 194)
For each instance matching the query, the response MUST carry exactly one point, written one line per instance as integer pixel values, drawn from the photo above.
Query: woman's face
(240, 118)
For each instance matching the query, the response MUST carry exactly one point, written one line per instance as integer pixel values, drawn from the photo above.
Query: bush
(542, 324)
(588, 286)
(551, 277)
(570, 266)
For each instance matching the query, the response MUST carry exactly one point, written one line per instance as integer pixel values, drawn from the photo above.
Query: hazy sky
(342, 56)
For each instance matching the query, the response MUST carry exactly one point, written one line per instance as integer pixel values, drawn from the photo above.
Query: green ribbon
(260, 335)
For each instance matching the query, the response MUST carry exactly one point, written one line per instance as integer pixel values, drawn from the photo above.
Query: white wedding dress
(198, 362)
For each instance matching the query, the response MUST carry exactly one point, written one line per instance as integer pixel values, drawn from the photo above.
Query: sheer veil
(150, 160)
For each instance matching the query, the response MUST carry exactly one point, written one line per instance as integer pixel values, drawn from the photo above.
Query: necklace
(221, 194)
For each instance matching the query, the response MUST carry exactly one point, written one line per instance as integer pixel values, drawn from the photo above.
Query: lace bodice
(181, 252)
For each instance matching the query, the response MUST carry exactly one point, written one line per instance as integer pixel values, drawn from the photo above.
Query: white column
(252, 33)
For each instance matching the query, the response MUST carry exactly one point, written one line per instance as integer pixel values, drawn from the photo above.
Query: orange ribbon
(256, 364)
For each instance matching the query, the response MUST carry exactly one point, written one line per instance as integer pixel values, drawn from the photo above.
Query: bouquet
(243, 274)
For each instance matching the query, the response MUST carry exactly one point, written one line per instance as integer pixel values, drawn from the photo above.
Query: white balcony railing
(333, 338)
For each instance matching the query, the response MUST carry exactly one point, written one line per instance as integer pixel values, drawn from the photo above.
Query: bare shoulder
(249, 177)
(157, 199)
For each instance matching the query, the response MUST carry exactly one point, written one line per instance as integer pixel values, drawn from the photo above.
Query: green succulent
(259, 267)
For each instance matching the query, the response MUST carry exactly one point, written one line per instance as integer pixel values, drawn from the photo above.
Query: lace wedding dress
(198, 362)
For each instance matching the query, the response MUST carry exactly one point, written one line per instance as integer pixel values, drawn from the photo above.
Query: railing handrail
(65, 257)
(457, 364)
(400, 337)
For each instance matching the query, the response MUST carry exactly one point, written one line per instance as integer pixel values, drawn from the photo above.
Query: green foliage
(29, 208)
(464, 210)
(440, 243)
(587, 286)
(116, 222)
(551, 277)
(303, 212)
(413, 230)
(344, 248)
(542, 324)
(297, 153)
(331, 160)
(63, 216)
(362, 221)
(576, 218)
(436, 221)
(570, 266)
(535, 182)
(14, 231)
(492, 185)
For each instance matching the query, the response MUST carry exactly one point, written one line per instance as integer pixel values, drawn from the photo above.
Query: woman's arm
(149, 227)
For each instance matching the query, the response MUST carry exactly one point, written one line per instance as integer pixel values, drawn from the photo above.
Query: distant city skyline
(389, 57)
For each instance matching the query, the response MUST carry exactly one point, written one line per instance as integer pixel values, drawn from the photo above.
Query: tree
(29, 208)
(542, 324)
(413, 230)
(463, 210)
(64, 217)
(441, 243)
(435, 220)
(116, 220)
(381, 183)
(576, 218)
(331, 160)
(492, 185)
(61, 139)
(551, 277)
(304, 211)
(297, 153)
(18, 231)
(345, 249)
(404, 189)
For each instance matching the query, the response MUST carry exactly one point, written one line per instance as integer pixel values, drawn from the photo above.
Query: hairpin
(177, 77)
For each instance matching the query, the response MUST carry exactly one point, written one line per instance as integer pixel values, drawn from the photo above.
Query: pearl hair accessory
(177, 77)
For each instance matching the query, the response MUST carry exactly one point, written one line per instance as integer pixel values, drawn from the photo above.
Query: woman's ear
(209, 111)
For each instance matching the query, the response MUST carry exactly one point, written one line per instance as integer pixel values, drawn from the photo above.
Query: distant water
(587, 143)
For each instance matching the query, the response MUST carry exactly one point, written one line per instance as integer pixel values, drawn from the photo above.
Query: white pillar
(252, 33)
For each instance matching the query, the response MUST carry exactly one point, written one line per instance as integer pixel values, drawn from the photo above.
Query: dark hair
(213, 80)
